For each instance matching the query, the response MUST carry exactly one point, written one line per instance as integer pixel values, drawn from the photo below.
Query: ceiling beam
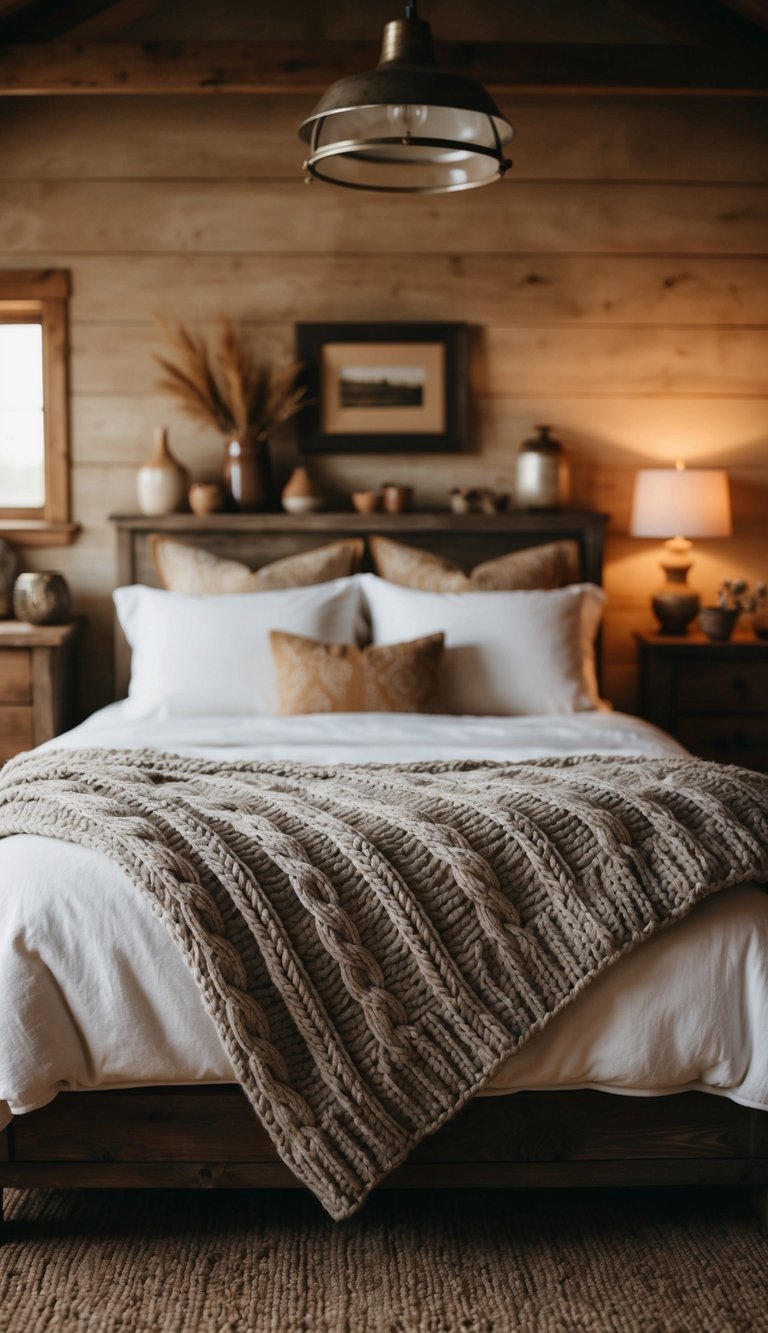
(119, 14)
(692, 22)
(308, 67)
(45, 20)
(755, 11)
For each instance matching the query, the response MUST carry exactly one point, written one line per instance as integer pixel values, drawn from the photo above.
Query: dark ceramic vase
(247, 474)
(717, 622)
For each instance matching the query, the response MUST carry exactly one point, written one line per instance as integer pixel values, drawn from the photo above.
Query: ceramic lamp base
(675, 604)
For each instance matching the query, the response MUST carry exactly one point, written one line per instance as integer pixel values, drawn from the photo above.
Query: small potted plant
(733, 596)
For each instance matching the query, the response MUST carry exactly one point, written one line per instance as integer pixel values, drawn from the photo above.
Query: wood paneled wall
(616, 284)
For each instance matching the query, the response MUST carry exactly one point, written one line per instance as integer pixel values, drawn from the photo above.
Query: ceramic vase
(300, 495)
(41, 598)
(718, 622)
(542, 476)
(247, 474)
(161, 485)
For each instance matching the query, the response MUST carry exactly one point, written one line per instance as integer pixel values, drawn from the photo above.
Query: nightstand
(712, 696)
(35, 683)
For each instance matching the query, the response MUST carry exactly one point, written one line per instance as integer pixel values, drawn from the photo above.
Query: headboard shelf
(258, 538)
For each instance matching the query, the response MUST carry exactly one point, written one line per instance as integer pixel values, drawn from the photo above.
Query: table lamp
(679, 503)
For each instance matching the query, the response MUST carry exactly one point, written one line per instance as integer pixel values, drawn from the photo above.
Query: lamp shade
(681, 502)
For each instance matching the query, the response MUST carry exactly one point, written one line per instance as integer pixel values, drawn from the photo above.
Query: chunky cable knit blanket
(372, 941)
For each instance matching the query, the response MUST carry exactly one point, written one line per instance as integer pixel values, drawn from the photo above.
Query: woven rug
(597, 1262)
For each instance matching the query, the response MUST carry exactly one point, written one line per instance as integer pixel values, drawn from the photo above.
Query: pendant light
(406, 127)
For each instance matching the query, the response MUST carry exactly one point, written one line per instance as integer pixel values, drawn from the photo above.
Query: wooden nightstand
(35, 683)
(712, 696)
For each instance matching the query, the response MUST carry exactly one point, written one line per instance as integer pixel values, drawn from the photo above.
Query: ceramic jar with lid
(542, 477)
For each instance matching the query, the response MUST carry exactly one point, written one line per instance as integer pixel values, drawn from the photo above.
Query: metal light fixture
(407, 127)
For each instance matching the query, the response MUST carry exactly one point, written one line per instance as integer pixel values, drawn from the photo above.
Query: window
(34, 418)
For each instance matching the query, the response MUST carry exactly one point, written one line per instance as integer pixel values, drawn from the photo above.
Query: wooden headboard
(256, 539)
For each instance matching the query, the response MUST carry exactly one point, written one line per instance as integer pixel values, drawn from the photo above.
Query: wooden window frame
(29, 295)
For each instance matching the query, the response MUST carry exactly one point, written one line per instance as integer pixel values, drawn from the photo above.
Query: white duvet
(93, 992)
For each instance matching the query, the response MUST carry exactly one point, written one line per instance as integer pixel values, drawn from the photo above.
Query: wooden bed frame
(209, 1137)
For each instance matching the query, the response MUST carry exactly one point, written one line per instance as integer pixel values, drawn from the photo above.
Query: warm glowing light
(681, 502)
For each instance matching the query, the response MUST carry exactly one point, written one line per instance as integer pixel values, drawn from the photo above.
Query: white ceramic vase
(161, 484)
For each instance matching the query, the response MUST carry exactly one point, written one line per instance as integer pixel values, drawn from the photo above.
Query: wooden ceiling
(706, 47)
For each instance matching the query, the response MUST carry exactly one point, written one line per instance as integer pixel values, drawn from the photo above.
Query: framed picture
(383, 388)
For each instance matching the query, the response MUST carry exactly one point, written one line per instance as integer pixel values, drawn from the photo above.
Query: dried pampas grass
(228, 388)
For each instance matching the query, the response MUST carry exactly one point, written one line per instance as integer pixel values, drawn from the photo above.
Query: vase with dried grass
(228, 388)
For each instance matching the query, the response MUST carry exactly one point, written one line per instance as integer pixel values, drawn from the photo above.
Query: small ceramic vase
(41, 598)
(396, 499)
(300, 496)
(206, 497)
(760, 625)
(366, 502)
(247, 474)
(8, 567)
(162, 482)
(717, 622)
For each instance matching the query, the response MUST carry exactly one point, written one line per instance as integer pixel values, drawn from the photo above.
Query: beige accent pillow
(549, 566)
(190, 569)
(314, 677)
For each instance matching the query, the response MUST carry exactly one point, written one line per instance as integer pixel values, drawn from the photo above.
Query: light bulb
(406, 118)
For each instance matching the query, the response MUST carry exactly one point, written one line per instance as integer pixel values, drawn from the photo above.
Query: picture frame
(383, 388)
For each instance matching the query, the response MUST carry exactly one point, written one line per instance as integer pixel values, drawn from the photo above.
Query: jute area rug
(474, 1263)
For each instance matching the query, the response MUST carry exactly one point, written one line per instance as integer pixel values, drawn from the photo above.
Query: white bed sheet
(94, 993)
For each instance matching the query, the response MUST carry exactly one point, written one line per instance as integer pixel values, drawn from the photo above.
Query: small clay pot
(206, 497)
(300, 496)
(396, 499)
(717, 622)
(366, 502)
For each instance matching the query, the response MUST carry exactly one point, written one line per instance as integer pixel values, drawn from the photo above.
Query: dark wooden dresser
(35, 683)
(712, 696)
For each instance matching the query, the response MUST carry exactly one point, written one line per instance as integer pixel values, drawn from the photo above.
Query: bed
(589, 1102)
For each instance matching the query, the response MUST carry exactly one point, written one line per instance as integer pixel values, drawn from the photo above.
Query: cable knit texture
(372, 941)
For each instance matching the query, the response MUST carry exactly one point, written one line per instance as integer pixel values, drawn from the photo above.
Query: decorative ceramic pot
(8, 566)
(760, 625)
(718, 623)
(300, 496)
(162, 482)
(396, 499)
(42, 598)
(205, 497)
(366, 502)
(247, 474)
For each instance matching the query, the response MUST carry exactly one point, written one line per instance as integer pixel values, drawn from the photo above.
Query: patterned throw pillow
(550, 566)
(314, 677)
(189, 569)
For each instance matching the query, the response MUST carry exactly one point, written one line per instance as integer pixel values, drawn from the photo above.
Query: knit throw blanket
(373, 941)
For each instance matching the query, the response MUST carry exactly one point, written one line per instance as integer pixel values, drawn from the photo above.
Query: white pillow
(210, 655)
(505, 652)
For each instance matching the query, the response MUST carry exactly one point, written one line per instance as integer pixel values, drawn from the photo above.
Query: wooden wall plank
(285, 218)
(633, 431)
(482, 289)
(672, 139)
(505, 361)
